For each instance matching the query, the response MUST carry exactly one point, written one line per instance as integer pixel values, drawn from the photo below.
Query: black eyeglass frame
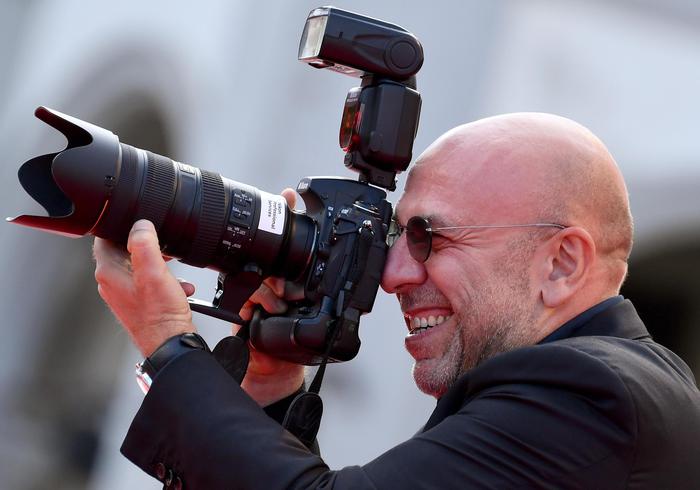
(419, 233)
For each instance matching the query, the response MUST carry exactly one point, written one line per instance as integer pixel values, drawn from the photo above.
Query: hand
(152, 306)
(140, 289)
(269, 379)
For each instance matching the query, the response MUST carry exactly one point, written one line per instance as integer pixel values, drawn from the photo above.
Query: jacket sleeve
(197, 422)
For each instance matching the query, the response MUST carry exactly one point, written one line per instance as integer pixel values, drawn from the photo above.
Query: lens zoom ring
(159, 190)
(211, 220)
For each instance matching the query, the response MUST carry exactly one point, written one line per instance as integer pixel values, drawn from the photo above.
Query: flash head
(356, 45)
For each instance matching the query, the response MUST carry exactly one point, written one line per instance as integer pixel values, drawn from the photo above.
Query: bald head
(534, 167)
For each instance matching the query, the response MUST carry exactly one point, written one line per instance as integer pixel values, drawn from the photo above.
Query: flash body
(381, 116)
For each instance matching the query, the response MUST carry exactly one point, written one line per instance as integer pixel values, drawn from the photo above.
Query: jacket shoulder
(636, 385)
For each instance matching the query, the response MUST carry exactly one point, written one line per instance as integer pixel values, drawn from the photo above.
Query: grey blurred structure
(216, 84)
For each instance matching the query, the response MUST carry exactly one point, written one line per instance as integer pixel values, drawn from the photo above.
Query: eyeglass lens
(419, 238)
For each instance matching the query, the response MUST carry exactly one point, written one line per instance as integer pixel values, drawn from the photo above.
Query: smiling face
(480, 291)
(471, 299)
(480, 317)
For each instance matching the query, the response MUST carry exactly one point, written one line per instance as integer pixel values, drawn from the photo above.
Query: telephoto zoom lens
(204, 219)
(100, 186)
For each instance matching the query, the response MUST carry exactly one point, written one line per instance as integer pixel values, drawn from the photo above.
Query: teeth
(425, 323)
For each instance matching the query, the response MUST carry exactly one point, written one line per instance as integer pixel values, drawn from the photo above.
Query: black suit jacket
(605, 408)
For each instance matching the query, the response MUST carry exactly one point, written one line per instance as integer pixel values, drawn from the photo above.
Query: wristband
(147, 369)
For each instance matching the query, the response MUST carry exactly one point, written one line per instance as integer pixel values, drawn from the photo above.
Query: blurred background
(216, 84)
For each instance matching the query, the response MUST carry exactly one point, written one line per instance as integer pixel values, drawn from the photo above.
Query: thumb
(143, 246)
(290, 196)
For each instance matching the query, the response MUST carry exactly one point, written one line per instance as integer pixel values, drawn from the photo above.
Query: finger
(112, 277)
(106, 251)
(247, 309)
(111, 265)
(144, 249)
(291, 196)
(276, 284)
(262, 297)
(268, 300)
(286, 290)
(187, 287)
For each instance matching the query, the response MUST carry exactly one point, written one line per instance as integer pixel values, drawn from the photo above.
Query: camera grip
(294, 339)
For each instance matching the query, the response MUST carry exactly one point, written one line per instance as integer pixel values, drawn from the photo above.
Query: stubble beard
(434, 376)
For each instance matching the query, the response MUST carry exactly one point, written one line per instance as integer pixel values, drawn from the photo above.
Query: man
(512, 243)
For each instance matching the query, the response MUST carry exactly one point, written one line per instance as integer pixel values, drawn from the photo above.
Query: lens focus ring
(211, 224)
(159, 190)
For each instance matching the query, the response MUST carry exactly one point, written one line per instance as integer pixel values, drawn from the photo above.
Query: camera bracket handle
(232, 291)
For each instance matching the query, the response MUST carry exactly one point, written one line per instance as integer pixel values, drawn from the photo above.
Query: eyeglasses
(419, 234)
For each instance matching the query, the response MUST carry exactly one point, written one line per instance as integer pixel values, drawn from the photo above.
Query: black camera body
(336, 250)
(342, 279)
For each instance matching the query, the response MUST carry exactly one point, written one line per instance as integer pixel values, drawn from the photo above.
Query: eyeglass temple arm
(440, 228)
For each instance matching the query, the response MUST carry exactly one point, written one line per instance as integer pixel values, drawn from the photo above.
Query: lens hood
(73, 185)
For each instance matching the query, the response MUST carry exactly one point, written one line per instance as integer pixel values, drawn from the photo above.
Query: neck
(553, 318)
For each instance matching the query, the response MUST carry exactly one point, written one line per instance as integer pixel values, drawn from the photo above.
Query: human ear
(568, 263)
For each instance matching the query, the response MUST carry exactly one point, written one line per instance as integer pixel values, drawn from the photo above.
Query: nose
(401, 271)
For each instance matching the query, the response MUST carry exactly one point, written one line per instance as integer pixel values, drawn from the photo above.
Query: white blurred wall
(223, 81)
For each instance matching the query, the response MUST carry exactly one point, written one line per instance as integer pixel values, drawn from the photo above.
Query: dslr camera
(336, 249)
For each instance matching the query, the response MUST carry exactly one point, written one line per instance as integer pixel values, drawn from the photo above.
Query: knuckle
(101, 274)
(101, 291)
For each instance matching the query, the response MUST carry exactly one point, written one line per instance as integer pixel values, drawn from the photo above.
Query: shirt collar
(568, 329)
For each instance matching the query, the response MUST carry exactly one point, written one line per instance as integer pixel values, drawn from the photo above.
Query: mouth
(420, 323)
